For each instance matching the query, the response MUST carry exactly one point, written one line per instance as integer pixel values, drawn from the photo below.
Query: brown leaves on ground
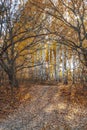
(74, 93)
(6, 102)
(57, 104)
(9, 101)
(71, 94)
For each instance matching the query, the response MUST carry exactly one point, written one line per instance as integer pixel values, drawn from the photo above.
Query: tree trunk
(83, 56)
(13, 80)
(58, 63)
(73, 72)
(64, 67)
(85, 59)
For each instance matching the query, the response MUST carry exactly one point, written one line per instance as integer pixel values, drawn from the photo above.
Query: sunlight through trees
(43, 40)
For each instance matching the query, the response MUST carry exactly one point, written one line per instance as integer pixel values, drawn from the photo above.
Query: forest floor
(44, 107)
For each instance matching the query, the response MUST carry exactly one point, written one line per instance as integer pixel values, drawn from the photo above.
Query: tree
(21, 31)
(68, 23)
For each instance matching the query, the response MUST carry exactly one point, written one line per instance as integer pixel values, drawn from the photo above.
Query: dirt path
(47, 110)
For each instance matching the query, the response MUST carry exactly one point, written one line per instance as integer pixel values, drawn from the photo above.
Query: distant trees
(68, 22)
(60, 64)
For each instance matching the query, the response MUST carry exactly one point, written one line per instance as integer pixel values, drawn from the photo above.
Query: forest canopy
(45, 38)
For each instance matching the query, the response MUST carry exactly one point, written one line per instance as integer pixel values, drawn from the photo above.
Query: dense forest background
(43, 40)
